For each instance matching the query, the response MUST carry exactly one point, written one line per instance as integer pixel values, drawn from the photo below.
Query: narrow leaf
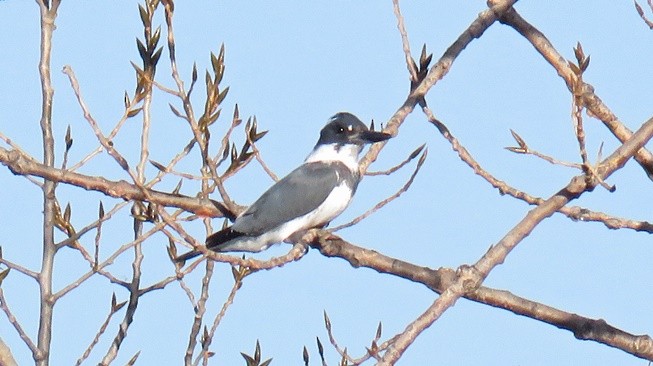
(4, 275)
(175, 111)
(134, 112)
(520, 141)
(194, 74)
(155, 38)
(156, 56)
(159, 166)
(585, 64)
(516, 150)
(66, 213)
(320, 348)
(68, 139)
(144, 15)
(178, 187)
(327, 321)
(126, 100)
(142, 51)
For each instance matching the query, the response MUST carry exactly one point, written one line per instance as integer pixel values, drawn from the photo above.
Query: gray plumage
(310, 196)
(294, 196)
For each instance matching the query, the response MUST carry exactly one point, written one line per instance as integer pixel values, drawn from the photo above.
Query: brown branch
(11, 144)
(14, 322)
(590, 100)
(395, 168)
(379, 205)
(439, 280)
(132, 306)
(100, 332)
(200, 309)
(471, 277)
(412, 68)
(21, 165)
(238, 282)
(484, 20)
(640, 11)
(573, 212)
(48, 14)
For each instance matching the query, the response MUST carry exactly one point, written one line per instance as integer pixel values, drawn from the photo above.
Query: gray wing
(298, 193)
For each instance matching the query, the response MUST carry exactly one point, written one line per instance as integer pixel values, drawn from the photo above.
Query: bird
(308, 197)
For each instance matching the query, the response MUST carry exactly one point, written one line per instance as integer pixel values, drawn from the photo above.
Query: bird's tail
(213, 242)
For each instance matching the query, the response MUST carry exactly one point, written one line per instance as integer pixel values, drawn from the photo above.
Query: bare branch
(379, 205)
(100, 332)
(484, 20)
(106, 143)
(590, 100)
(640, 11)
(22, 165)
(412, 68)
(441, 279)
(470, 278)
(16, 324)
(48, 14)
(410, 158)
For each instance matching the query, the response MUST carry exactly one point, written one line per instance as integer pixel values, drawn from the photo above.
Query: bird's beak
(373, 136)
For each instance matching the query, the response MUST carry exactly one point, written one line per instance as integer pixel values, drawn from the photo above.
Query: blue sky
(294, 64)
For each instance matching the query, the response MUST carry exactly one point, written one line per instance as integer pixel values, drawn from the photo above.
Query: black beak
(373, 136)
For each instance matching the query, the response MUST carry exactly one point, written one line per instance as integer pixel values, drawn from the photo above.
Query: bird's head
(346, 129)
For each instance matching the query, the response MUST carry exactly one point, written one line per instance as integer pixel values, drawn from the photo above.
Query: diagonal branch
(379, 205)
(22, 165)
(471, 277)
(441, 279)
(484, 20)
(590, 100)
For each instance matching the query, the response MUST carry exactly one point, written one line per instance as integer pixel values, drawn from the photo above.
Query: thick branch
(439, 280)
(21, 165)
(590, 100)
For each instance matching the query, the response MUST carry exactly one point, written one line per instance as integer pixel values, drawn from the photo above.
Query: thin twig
(200, 309)
(16, 324)
(17, 147)
(19, 268)
(412, 69)
(260, 160)
(591, 101)
(410, 158)
(99, 334)
(470, 278)
(104, 141)
(218, 318)
(640, 11)
(379, 205)
(132, 306)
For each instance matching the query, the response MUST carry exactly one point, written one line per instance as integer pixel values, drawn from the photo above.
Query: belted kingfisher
(309, 197)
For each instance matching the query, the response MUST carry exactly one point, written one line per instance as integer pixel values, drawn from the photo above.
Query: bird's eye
(341, 129)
